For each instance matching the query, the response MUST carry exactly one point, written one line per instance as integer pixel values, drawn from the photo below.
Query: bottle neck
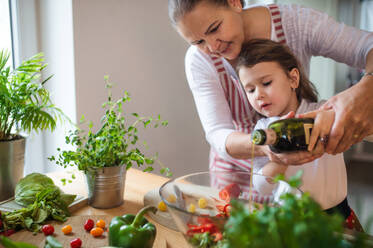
(264, 137)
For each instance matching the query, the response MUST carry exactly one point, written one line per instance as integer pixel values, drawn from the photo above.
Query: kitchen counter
(138, 183)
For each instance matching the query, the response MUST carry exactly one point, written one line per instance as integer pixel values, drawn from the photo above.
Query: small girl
(275, 86)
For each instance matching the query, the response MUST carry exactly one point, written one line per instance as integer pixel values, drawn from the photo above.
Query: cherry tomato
(97, 231)
(76, 243)
(8, 232)
(66, 229)
(101, 223)
(89, 224)
(47, 229)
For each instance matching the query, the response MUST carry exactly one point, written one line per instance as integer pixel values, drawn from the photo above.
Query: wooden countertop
(137, 184)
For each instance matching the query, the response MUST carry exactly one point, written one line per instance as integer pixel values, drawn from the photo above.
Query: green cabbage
(29, 186)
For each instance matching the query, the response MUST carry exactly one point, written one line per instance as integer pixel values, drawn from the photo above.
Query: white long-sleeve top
(308, 33)
(324, 178)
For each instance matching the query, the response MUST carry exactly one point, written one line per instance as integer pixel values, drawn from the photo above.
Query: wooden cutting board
(10, 204)
(163, 218)
(77, 223)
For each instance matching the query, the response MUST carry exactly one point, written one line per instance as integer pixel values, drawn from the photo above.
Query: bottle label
(307, 131)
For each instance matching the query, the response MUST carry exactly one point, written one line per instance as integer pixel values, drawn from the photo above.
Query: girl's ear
(235, 4)
(294, 77)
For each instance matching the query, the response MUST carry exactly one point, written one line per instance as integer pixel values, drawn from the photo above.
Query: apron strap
(277, 22)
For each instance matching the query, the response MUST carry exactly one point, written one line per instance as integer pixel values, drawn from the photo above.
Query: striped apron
(244, 118)
(243, 115)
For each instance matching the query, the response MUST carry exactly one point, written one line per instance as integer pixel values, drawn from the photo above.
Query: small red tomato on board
(76, 243)
(47, 229)
(8, 232)
(89, 224)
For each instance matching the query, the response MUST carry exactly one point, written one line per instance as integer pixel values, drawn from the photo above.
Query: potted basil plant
(25, 106)
(105, 156)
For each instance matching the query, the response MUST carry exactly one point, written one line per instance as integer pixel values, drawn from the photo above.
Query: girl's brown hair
(261, 50)
(178, 8)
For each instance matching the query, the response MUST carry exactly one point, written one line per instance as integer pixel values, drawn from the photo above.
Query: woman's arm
(353, 113)
(213, 109)
(322, 35)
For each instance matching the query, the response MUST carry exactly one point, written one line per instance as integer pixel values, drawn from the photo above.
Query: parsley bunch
(114, 144)
(299, 222)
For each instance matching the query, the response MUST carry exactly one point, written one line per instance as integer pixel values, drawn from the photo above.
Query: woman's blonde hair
(262, 50)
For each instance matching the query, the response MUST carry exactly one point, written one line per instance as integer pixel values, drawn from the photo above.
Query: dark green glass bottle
(285, 135)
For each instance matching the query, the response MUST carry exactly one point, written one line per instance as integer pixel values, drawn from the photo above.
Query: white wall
(323, 70)
(133, 42)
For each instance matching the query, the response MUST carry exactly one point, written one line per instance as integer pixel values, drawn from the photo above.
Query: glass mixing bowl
(199, 202)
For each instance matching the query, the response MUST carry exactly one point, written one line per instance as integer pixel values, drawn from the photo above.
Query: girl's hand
(292, 158)
(324, 120)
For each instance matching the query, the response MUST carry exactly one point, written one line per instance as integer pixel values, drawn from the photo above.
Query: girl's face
(214, 29)
(269, 89)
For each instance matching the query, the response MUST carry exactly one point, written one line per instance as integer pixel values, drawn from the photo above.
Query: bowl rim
(207, 172)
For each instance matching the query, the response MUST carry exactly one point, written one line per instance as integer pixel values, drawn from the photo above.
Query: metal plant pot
(12, 154)
(106, 186)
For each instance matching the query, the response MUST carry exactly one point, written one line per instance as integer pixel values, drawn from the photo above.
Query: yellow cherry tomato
(162, 206)
(101, 223)
(171, 198)
(202, 203)
(97, 232)
(192, 208)
(66, 229)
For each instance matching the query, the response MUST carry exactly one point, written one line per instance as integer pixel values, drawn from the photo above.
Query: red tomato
(89, 224)
(76, 243)
(47, 229)
(8, 232)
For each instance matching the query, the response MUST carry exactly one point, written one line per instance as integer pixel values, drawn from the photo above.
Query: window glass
(5, 33)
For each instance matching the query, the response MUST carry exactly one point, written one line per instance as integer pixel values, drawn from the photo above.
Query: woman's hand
(353, 116)
(324, 119)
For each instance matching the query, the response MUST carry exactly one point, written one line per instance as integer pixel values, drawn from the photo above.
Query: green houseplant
(25, 106)
(105, 155)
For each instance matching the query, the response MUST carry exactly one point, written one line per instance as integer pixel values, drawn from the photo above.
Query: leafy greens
(43, 201)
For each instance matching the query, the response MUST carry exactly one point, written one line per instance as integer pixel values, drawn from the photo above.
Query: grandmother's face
(214, 29)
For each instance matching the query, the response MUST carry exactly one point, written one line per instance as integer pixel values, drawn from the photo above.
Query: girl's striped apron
(243, 115)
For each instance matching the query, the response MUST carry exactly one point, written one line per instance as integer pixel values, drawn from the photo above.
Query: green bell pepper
(131, 231)
(8, 243)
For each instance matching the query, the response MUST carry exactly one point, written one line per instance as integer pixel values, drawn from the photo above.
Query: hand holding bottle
(323, 122)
